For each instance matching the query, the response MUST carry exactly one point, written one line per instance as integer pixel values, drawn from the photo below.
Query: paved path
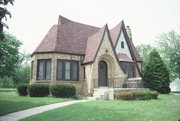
(32, 111)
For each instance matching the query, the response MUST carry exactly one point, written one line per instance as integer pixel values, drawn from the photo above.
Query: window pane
(67, 70)
(48, 69)
(59, 70)
(40, 70)
(32, 69)
(75, 71)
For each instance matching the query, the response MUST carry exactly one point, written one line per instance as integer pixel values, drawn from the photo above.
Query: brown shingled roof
(124, 57)
(93, 44)
(76, 38)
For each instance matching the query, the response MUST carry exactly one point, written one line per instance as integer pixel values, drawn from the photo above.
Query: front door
(102, 74)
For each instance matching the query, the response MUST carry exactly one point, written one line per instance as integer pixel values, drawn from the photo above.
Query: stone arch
(110, 63)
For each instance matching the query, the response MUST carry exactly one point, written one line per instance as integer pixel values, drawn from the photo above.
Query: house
(86, 56)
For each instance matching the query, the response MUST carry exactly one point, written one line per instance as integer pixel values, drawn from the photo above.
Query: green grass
(11, 102)
(8, 89)
(166, 108)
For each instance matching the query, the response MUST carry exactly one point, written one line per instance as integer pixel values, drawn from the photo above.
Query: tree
(3, 14)
(22, 72)
(9, 55)
(144, 51)
(156, 74)
(169, 48)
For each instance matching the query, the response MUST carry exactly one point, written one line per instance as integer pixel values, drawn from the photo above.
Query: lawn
(11, 102)
(166, 108)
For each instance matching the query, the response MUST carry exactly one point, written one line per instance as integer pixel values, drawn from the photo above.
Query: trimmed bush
(124, 96)
(62, 90)
(142, 95)
(22, 89)
(137, 95)
(154, 94)
(38, 90)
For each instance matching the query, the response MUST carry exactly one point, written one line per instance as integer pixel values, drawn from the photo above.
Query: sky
(32, 19)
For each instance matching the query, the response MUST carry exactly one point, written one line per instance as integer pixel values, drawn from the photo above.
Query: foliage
(62, 90)
(144, 51)
(9, 55)
(12, 102)
(6, 82)
(38, 90)
(156, 74)
(3, 14)
(136, 95)
(124, 96)
(166, 108)
(22, 72)
(169, 48)
(22, 89)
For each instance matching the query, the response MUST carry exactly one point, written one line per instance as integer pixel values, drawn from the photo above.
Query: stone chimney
(128, 29)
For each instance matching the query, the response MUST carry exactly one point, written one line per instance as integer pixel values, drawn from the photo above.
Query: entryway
(102, 76)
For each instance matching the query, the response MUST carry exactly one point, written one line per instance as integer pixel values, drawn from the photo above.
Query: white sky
(31, 19)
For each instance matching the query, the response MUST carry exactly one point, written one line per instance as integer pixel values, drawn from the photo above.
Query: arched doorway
(102, 72)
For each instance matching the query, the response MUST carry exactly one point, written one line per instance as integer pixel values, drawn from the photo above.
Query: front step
(101, 93)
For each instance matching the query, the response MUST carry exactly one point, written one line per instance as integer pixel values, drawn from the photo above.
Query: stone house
(86, 56)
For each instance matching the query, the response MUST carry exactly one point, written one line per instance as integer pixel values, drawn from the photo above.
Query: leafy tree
(169, 48)
(9, 55)
(144, 51)
(156, 74)
(3, 14)
(22, 72)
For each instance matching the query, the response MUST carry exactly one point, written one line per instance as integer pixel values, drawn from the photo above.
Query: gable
(125, 49)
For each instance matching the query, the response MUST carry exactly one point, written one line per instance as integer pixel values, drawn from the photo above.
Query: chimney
(128, 29)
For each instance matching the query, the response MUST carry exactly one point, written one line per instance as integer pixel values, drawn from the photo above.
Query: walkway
(32, 111)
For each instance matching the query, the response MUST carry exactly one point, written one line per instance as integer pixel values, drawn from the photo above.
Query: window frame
(32, 69)
(64, 70)
(127, 69)
(44, 68)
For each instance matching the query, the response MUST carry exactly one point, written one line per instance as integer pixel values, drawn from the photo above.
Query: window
(129, 69)
(84, 71)
(67, 70)
(32, 67)
(122, 44)
(44, 69)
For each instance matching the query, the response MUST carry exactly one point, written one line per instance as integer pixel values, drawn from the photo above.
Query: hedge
(22, 89)
(136, 95)
(38, 90)
(62, 90)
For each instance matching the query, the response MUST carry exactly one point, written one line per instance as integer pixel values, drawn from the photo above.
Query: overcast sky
(31, 19)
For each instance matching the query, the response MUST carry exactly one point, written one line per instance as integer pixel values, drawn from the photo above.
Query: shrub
(22, 89)
(142, 95)
(38, 90)
(124, 96)
(153, 94)
(6, 82)
(137, 95)
(164, 90)
(62, 90)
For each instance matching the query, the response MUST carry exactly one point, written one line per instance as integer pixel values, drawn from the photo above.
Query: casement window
(129, 69)
(122, 44)
(44, 69)
(32, 68)
(67, 70)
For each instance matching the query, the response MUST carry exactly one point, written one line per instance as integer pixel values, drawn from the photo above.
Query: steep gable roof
(75, 38)
(93, 44)
(67, 37)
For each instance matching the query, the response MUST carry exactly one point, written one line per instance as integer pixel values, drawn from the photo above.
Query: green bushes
(62, 90)
(124, 96)
(38, 90)
(22, 89)
(136, 95)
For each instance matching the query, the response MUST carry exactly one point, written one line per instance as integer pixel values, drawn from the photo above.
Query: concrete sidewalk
(32, 111)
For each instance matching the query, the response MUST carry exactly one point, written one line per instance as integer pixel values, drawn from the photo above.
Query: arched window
(122, 44)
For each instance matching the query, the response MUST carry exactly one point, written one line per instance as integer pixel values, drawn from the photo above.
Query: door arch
(102, 73)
